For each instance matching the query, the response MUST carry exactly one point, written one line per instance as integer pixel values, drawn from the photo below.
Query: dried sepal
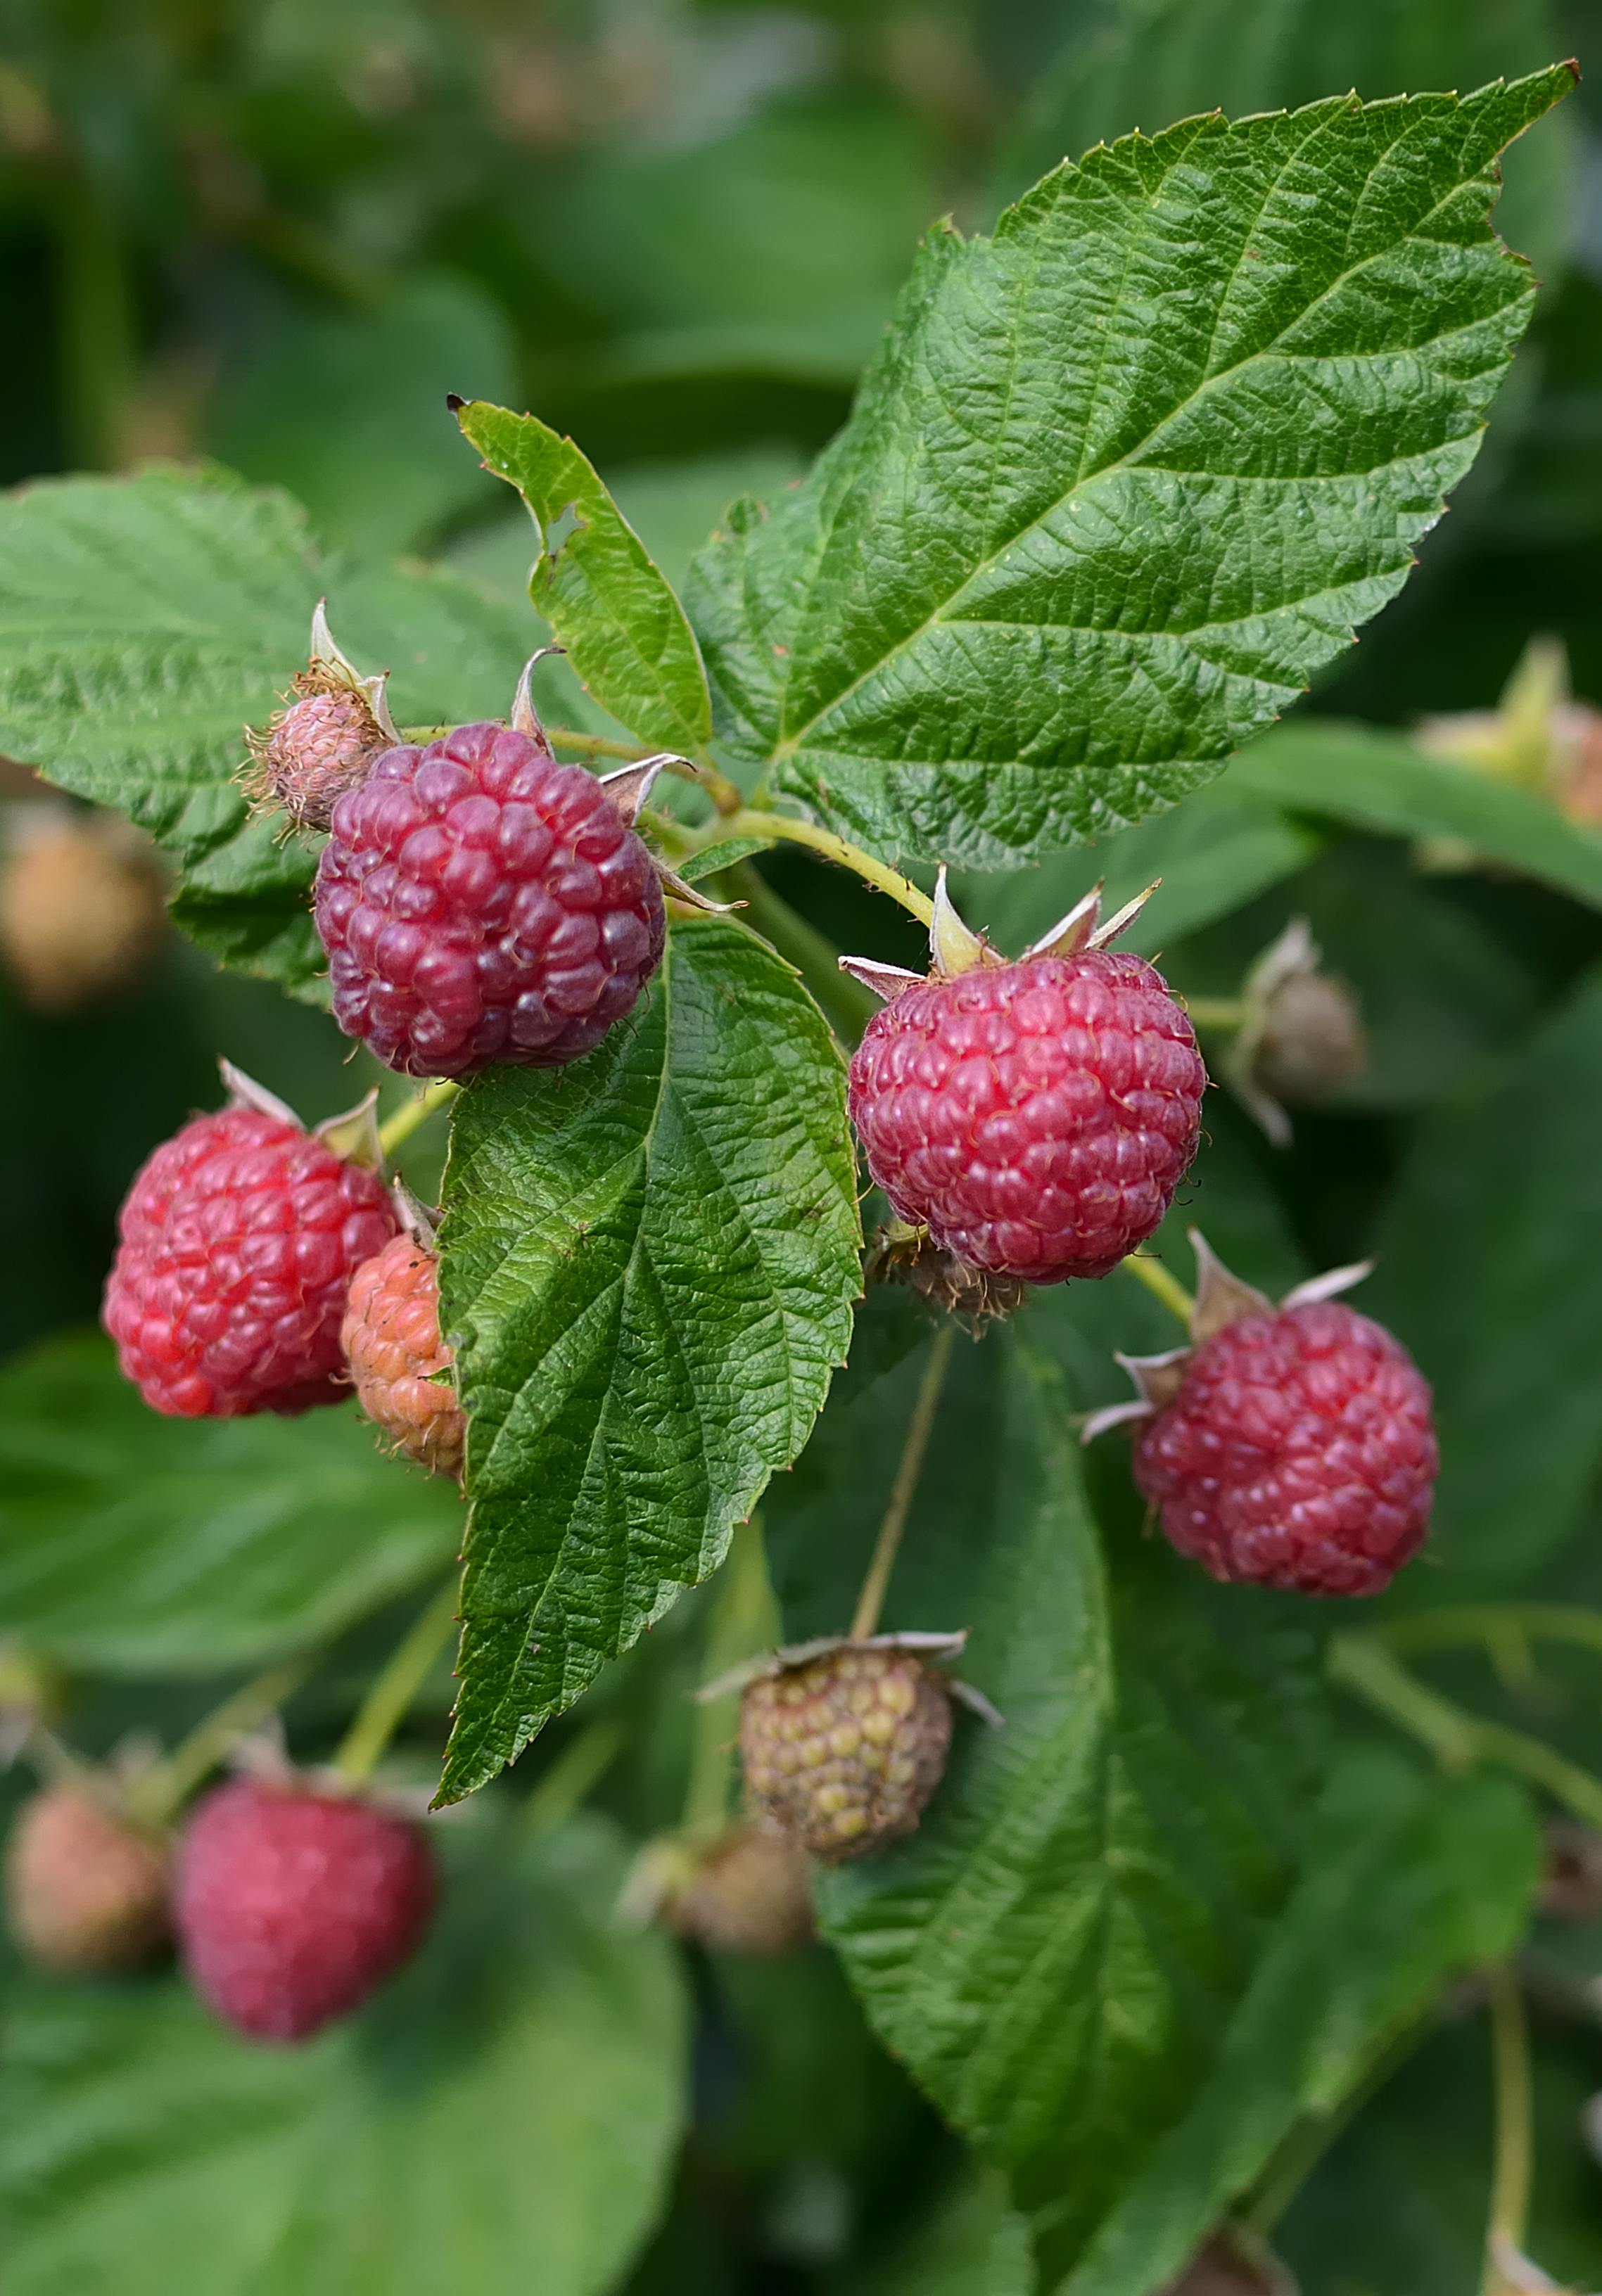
(902, 1254)
(1301, 1036)
(886, 981)
(331, 666)
(1221, 1298)
(791, 1654)
(244, 1092)
(353, 1136)
(525, 718)
(956, 948)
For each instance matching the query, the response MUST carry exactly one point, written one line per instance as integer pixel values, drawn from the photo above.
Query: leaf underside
(1124, 475)
(649, 1261)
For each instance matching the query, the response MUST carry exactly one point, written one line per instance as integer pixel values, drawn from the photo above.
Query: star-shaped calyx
(956, 948)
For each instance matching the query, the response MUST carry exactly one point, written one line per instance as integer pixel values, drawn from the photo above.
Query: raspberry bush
(819, 1015)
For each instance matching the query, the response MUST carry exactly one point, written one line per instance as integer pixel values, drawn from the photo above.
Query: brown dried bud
(749, 1894)
(86, 1887)
(1312, 1040)
(843, 1752)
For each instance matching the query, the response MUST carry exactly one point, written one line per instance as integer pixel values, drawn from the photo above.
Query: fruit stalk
(397, 1683)
(870, 1602)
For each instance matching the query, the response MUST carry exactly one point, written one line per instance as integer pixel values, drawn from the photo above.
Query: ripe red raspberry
(85, 1889)
(240, 1237)
(1299, 1452)
(841, 1752)
(391, 1340)
(1036, 1117)
(482, 903)
(291, 1906)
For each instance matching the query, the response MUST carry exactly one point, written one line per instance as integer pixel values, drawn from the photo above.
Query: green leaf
(972, 2244)
(1124, 475)
(502, 2117)
(134, 1544)
(1378, 781)
(144, 622)
(1485, 1273)
(624, 630)
(1056, 1955)
(1410, 1880)
(649, 1264)
(1128, 63)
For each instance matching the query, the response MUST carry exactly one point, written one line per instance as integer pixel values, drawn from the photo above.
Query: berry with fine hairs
(1299, 1452)
(292, 1905)
(1036, 1117)
(324, 744)
(841, 1752)
(397, 1356)
(240, 1237)
(482, 903)
(85, 1889)
(750, 1893)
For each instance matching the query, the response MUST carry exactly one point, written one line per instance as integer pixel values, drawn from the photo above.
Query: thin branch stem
(1160, 1285)
(1490, 1623)
(1216, 1012)
(744, 1619)
(1362, 1664)
(870, 1603)
(783, 828)
(580, 1766)
(1510, 2176)
(159, 1795)
(595, 745)
(391, 1692)
(416, 1112)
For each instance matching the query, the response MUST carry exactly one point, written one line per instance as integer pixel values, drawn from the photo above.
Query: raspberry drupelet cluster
(1037, 1117)
(399, 1361)
(1289, 1447)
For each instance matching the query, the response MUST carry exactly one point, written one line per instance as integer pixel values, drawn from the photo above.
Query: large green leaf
(1124, 475)
(649, 1264)
(1489, 1270)
(624, 630)
(1128, 63)
(139, 1544)
(1410, 1880)
(144, 622)
(502, 2118)
(1056, 1954)
(1379, 781)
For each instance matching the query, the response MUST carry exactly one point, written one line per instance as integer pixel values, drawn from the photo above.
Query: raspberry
(291, 1906)
(1036, 1117)
(391, 1340)
(240, 1237)
(1298, 1452)
(324, 743)
(842, 1752)
(482, 903)
(1312, 1040)
(81, 909)
(749, 1894)
(85, 1889)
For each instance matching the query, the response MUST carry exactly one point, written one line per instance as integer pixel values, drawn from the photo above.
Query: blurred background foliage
(275, 232)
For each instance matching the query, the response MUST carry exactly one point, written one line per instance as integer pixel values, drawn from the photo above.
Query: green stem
(1216, 1012)
(846, 1003)
(159, 1795)
(744, 1619)
(97, 336)
(785, 830)
(595, 745)
(1510, 2176)
(581, 1765)
(1490, 1623)
(1460, 1741)
(415, 1113)
(870, 1603)
(1160, 1285)
(390, 1695)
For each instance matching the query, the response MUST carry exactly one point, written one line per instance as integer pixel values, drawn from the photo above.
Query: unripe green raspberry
(843, 1752)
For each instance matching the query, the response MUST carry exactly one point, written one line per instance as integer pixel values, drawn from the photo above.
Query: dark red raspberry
(391, 1339)
(1037, 1117)
(1300, 1452)
(239, 1241)
(482, 903)
(292, 1906)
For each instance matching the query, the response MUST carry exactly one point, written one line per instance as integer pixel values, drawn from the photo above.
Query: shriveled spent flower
(82, 907)
(86, 1886)
(843, 1750)
(1302, 1039)
(325, 741)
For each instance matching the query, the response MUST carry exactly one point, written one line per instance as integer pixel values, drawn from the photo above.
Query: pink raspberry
(482, 903)
(1299, 1452)
(1036, 1117)
(322, 745)
(240, 1237)
(292, 1906)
